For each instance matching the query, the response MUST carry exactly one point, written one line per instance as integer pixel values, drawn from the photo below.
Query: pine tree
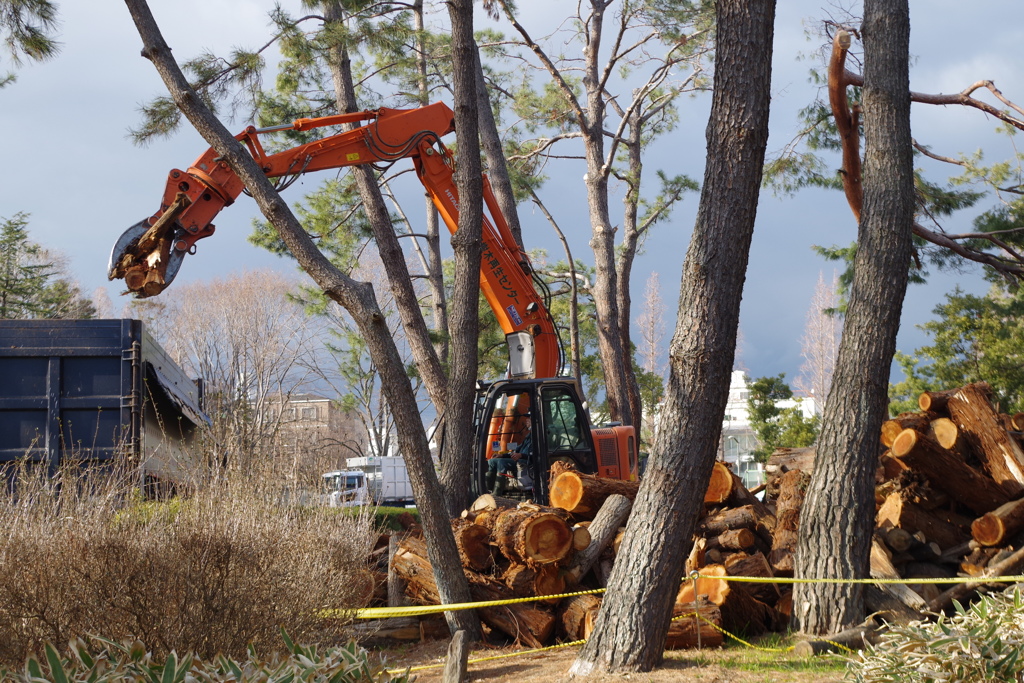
(23, 276)
(32, 284)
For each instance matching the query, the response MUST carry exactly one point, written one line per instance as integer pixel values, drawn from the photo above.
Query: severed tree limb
(1012, 564)
(846, 118)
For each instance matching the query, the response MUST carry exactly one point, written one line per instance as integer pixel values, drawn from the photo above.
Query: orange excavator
(149, 254)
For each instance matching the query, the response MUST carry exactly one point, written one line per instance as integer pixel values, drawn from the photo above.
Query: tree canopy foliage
(974, 338)
(32, 280)
(774, 425)
(27, 27)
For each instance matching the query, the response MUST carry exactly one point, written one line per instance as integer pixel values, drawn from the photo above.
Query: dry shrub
(227, 567)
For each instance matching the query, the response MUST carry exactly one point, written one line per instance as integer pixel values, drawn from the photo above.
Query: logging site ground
(734, 664)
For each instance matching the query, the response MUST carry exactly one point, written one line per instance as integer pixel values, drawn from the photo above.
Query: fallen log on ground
(602, 530)
(693, 625)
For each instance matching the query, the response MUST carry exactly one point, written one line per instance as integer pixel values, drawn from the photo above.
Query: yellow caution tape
(955, 579)
(421, 610)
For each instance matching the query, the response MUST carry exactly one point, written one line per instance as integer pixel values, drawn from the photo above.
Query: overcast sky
(69, 163)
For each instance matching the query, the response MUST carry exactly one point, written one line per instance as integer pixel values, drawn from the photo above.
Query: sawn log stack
(949, 501)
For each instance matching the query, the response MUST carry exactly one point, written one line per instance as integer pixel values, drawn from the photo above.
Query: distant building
(738, 439)
(316, 428)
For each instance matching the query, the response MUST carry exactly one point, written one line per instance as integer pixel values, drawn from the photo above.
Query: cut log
(896, 512)
(602, 530)
(927, 570)
(892, 428)
(396, 586)
(999, 525)
(532, 536)
(733, 539)
(580, 537)
(887, 607)
(582, 494)
(576, 616)
(690, 627)
(882, 568)
(740, 496)
(527, 581)
(695, 560)
(473, 542)
(947, 472)
(786, 460)
(755, 565)
(853, 639)
(891, 467)
(792, 487)
(935, 401)
(523, 621)
(971, 409)
(740, 611)
(487, 502)
(1018, 421)
(1009, 566)
(457, 662)
(728, 519)
(946, 434)
(720, 485)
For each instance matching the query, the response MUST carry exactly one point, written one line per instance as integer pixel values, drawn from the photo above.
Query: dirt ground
(735, 664)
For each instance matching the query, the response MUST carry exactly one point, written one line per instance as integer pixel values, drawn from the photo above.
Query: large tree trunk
(614, 356)
(467, 246)
(357, 298)
(634, 619)
(835, 524)
(391, 255)
(435, 272)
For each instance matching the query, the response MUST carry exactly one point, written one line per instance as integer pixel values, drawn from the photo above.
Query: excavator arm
(150, 253)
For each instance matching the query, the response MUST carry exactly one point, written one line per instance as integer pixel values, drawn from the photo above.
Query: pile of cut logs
(950, 504)
(511, 550)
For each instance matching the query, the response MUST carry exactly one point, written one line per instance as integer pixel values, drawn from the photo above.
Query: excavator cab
(542, 421)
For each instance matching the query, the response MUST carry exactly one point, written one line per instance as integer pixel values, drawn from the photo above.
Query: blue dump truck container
(92, 391)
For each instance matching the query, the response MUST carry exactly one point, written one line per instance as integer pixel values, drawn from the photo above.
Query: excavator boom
(150, 253)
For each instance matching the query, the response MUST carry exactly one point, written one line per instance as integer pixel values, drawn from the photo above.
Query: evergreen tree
(777, 427)
(27, 27)
(31, 283)
(974, 338)
(23, 277)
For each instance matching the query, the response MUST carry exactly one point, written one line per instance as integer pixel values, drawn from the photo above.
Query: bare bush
(228, 567)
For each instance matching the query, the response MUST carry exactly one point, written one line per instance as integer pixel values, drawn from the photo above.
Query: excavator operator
(510, 451)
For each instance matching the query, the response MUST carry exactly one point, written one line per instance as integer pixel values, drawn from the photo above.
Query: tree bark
(458, 440)
(610, 517)
(392, 257)
(835, 529)
(971, 408)
(634, 619)
(358, 298)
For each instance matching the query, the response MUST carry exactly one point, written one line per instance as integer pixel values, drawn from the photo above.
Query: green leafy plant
(105, 660)
(983, 642)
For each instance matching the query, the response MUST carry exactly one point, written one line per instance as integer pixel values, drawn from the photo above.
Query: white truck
(345, 488)
(386, 479)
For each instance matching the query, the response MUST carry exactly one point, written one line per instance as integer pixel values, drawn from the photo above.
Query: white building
(738, 439)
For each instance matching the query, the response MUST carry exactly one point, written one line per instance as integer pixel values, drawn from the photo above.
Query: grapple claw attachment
(145, 256)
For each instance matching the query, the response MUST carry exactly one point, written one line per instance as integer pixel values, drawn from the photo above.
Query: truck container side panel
(74, 388)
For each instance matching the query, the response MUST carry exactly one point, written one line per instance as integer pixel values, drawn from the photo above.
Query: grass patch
(774, 656)
(383, 518)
